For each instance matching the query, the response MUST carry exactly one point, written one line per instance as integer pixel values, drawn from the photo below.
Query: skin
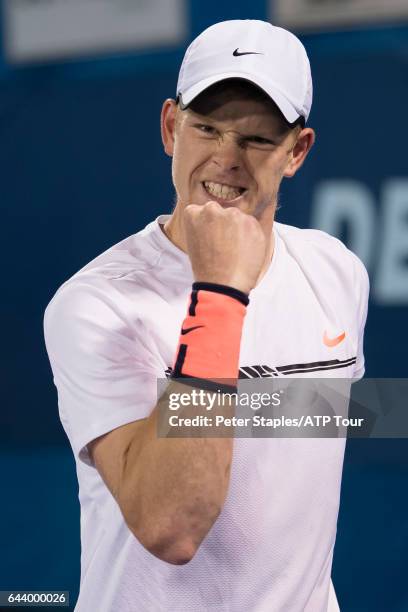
(239, 139)
(172, 490)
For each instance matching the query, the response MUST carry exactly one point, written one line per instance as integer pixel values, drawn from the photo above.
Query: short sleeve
(362, 286)
(104, 368)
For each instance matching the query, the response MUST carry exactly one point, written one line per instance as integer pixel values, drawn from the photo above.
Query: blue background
(82, 167)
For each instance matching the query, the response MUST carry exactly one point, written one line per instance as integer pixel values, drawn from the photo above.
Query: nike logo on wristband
(189, 329)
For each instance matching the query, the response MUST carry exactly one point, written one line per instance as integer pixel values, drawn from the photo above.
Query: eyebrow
(261, 137)
(196, 121)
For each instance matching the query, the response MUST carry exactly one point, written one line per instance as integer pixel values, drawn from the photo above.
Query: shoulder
(110, 276)
(310, 238)
(102, 292)
(323, 255)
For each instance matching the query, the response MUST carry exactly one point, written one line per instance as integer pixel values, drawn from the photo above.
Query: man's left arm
(362, 286)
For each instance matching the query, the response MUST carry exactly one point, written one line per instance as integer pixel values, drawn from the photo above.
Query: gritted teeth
(220, 190)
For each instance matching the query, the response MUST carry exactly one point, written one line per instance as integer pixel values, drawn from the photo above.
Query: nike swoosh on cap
(189, 329)
(237, 53)
(333, 341)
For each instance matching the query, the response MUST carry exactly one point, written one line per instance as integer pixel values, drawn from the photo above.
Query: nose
(227, 155)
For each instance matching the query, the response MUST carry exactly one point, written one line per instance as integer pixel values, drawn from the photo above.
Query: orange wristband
(210, 337)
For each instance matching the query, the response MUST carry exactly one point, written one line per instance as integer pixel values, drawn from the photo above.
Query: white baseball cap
(270, 57)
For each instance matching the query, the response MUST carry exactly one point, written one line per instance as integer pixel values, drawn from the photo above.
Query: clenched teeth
(226, 192)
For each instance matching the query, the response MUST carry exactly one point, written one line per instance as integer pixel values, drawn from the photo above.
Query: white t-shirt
(112, 330)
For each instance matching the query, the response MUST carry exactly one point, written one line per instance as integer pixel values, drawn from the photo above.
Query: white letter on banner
(391, 286)
(346, 201)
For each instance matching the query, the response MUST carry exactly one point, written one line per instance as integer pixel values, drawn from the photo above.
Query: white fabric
(268, 56)
(113, 328)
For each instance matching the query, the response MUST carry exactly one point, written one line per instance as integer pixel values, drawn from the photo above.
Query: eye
(205, 129)
(259, 140)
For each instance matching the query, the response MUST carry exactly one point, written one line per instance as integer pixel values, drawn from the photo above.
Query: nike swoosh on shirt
(238, 53)
(189, 329)
(333, 341)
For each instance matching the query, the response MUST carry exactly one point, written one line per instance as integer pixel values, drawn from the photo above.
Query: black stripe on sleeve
(315, 364)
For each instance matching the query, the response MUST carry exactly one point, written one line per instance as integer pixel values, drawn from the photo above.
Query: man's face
(231, 148)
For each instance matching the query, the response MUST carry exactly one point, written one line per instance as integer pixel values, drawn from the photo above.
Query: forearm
(174, 489)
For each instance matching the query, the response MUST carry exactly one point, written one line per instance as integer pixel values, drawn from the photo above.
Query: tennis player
(217, 290)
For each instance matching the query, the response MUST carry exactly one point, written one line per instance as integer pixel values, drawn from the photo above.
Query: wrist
(210, 337)
(233, 292)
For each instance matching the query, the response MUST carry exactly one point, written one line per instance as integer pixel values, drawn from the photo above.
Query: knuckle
(253, 224)
(233, 214)
(212, 205)
(190, 210)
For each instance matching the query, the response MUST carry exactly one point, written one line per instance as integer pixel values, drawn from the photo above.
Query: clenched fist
(225, 245)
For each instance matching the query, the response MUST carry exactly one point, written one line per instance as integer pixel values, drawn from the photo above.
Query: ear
(304, 142)
(168, 124)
